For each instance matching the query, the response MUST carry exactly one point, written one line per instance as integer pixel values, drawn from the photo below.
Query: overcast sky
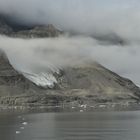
(121, 17)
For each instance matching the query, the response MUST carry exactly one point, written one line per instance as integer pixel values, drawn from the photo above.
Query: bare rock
(90, 83)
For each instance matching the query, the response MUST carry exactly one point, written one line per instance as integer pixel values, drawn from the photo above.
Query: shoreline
(124, 106)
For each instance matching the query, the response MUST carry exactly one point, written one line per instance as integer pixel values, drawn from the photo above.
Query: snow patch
(42, 79)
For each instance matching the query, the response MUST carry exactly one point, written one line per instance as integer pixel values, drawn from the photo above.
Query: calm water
(71, 126)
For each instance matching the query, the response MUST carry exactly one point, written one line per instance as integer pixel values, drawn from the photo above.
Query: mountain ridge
(82, 84)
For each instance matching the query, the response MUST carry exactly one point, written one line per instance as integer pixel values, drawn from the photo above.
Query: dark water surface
(71, 126)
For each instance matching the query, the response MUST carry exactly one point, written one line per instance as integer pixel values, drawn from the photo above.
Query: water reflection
(71, 126)
(8, 125)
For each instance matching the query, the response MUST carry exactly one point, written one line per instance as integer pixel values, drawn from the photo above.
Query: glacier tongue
(46, 80)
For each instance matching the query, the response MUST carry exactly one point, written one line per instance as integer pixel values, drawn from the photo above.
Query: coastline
(72, 107)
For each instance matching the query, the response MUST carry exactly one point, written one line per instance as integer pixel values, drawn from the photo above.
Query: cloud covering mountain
(93, 17)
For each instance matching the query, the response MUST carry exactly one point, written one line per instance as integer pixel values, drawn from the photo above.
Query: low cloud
(48, 55)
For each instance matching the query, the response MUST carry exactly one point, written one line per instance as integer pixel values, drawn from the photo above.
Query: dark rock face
(34, 32)
(4, 28)
(39, 32)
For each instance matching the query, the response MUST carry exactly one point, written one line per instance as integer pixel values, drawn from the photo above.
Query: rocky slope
(4, 28)
(38, 32)
(84, 84)
(90, 84)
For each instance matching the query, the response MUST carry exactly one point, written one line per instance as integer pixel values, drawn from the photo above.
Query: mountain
(38, 32)
(90, 84)
(9, 28)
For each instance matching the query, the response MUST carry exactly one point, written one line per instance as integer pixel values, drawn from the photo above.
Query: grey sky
(102, 17)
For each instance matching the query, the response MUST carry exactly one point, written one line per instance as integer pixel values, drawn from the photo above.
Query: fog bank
(38, 59)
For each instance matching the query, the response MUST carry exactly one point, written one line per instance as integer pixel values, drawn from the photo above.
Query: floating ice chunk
(24, 123)
(22, 128)
(18, 132)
